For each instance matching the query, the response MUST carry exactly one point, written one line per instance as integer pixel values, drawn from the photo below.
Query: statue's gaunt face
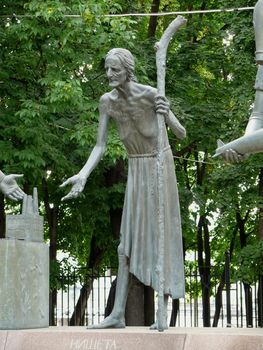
(115, 71)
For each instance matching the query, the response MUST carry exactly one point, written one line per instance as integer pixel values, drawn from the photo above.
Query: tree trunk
(248, 294)
(206, 278)
(52, 307)
(137, 313)
(260, 301)
(140, 303)
(96, 254)
(175, 310)
(52, 260)
(249, 304)
(2, 216)
(218, 297)
(134, 312)
(111, 298)
(218, 300)
(77, 318)
(260, 233)
(153, 19)
(52, 219)
(203, 246)
(148, 306)
(204, 269)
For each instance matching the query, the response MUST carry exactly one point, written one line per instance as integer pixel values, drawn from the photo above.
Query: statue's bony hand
(231, 156)
(162, 105)
(10, 187)
(78, 183)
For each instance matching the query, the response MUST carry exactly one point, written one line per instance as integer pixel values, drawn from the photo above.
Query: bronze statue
(134, 108)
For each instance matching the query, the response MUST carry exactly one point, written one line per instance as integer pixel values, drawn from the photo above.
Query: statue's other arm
(175, 125)
(162, 106)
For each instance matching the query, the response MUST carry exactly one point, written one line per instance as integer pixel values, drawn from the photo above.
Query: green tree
(50, 84)
(50, 87)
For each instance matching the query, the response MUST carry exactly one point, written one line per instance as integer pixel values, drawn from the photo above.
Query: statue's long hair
(126, 59)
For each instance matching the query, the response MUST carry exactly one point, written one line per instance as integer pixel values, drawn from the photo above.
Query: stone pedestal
(24, 270)
(132, 338)
(26, 227)
(24, 291)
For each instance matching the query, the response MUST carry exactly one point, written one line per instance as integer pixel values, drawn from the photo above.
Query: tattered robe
(139, 227)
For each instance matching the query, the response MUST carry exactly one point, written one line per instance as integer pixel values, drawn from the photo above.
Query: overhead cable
(159, 14)
(181, 12)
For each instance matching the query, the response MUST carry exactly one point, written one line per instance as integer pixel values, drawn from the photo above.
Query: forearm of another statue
(256, 119)
(252, 141)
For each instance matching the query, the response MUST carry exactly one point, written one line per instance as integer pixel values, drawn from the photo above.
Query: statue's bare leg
(154, 326)
(116, 319)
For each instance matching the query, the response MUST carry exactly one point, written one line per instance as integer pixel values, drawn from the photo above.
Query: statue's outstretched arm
(78, 181)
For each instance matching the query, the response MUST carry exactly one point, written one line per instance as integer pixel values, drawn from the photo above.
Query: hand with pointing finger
(78, 183)
(9, 186)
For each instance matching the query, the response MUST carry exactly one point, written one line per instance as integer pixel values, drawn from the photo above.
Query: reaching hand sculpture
(252, 141)
(135, 109)
(9, 186)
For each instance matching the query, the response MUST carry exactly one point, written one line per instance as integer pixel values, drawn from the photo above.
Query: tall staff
(161, 52)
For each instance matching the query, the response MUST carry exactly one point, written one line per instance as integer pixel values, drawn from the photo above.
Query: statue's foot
(154, 327)
(109, 322)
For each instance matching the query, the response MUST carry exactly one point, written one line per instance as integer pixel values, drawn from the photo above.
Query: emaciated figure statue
(133, 107)
(9, 186)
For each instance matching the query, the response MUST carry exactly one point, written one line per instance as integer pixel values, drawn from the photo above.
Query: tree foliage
(51, 79)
